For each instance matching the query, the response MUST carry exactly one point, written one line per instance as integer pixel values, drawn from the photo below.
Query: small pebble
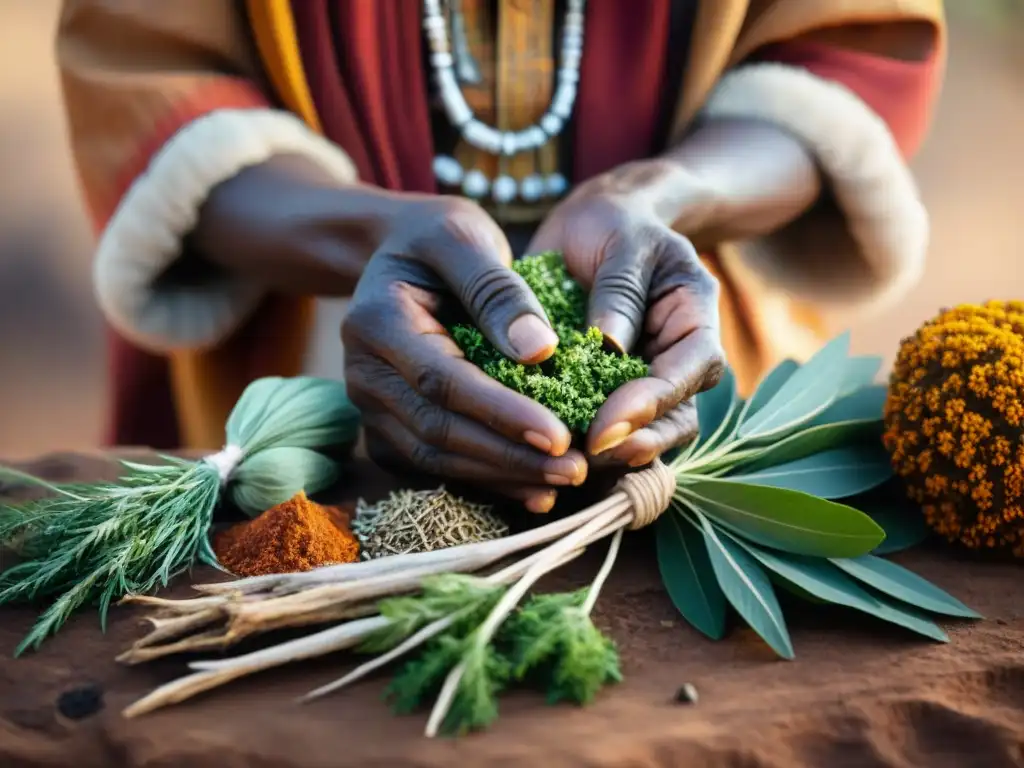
(687, 694)
(79, 703)
(668, 624)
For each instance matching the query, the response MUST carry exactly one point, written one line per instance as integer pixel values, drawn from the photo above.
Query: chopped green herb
(578, 378)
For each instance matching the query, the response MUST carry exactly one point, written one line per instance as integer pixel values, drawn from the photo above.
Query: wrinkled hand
(423, 404)
(648, 290)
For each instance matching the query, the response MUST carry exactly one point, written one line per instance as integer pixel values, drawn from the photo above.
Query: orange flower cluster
(954, 423)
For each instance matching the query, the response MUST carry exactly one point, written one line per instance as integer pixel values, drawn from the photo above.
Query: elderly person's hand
(649, 293)
(424, 405)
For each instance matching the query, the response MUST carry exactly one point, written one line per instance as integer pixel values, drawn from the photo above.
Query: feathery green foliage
(549, 643)
(96, 543)
(578, 378)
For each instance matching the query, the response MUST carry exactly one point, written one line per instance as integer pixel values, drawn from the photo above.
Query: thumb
(474, 264)
(618, 296)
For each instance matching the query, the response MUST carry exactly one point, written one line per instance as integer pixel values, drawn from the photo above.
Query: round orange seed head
(954, 423)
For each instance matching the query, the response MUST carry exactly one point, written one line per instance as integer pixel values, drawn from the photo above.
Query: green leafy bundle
(578, 378)
(758, 505)
(98, 542)
(549, 643)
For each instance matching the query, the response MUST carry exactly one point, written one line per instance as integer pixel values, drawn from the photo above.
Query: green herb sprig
(95, 543)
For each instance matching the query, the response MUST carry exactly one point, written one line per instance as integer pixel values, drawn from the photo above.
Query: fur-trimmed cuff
(864, 242)
(144, 236)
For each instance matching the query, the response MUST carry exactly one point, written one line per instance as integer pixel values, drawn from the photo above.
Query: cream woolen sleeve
(143, 238)
(864, 243)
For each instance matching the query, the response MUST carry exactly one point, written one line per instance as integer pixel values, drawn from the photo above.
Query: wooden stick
(330, 640)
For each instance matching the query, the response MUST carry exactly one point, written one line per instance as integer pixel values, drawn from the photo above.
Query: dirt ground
(51, 372)
(860, 694)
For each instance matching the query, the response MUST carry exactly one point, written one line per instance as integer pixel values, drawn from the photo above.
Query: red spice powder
(298, 535)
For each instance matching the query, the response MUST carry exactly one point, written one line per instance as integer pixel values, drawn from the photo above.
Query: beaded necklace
(448, 67)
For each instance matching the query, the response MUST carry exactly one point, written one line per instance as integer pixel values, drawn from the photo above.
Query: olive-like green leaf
(835, 474)
(715, 407)
(808, 392)
(747, 588)
(688, 576)
(865, 404)
(788, 586)
(861, 371)
(904, 585)
(768, 387)
(783, 519)
(808, 442)
(825, 581)
(904, 527)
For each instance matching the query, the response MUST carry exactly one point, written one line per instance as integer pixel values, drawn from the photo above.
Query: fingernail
(613, 437)
(618, 331)
(634, 456)
(532, 339)
(538, 441)
(542, 503)
(565, 471)
(642, 459)
(552, 479)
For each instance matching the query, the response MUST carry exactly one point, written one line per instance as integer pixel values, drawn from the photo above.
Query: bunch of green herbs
(766, 499)
(94, 543)
(549, 643)
(576, 380)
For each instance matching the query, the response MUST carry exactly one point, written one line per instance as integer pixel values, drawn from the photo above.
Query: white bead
(448, 170)
(562, 104)
(551, 124)
(510, 143)
(475, 184)
(504, 189)
(433, 22)
(442, 59)
(555, 185)
(531, 188)
(536, 137)
(568, 74)
(482, 136)
(524, 141)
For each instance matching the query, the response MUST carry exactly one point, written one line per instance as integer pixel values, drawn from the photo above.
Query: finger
(618, 296)
(676, 315)
(676, 428)
(539, 501)
(686, 368)
(451, 433)
(469, 252)
(410, 448)
(433, 365)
